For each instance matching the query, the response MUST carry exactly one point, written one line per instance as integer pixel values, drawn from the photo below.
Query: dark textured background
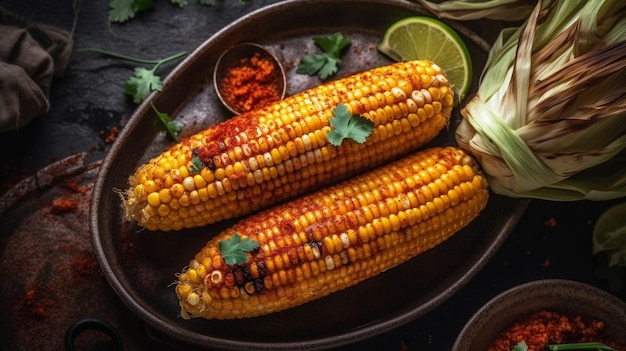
(552, 240)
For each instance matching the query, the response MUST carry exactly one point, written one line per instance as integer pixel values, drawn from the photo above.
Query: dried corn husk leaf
(509, 10)
(549, 118)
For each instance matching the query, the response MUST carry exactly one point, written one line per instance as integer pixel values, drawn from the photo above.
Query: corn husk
(549, 118)
(461, 10)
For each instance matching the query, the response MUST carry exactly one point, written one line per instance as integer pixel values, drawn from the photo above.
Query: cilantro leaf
(180, 3)
(196, 165)
(332, 45)
(329, 68)
(234, 250)
(142, 5)
(355, 127)
(123, 10)
(142, 83)
(521, 346)
(163, 122)
(326, 64)
(311, 64)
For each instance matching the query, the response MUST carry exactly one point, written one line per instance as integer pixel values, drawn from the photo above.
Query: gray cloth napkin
(31, 54)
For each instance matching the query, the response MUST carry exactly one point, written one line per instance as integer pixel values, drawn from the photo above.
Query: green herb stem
(593, 346)
(165, 123)
(133, 59)
(171, 58)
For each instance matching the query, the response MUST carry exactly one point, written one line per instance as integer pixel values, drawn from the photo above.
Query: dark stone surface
(87, 104)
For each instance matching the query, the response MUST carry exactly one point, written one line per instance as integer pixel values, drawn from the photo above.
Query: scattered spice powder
(544, 328)
(550, 222)
(403, 346)
(63, 205)
(112, 135)
(252, 84)
(36, 304)
(72, 185)
(85, 264)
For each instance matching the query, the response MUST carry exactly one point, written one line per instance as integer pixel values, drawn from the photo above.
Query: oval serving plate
(140, 266)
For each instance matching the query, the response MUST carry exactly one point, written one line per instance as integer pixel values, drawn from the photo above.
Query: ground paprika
(544, 328)
(251, 83)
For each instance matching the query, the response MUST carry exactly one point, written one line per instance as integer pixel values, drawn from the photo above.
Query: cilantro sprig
(355, 127)
(124, 10)
(164, 122)
(589, 346)
(234, 250)
(196, 165)
(327, 63)
(143, 81)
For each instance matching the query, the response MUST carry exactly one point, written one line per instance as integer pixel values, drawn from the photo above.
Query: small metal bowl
(232, 57)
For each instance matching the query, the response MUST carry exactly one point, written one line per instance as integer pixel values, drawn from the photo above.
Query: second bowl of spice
(547, 314)
(248, 76)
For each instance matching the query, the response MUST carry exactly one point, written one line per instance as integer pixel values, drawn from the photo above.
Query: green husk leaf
(508, 10)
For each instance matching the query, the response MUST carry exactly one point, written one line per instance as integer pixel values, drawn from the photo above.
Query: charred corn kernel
(300, 258)
(283, 150)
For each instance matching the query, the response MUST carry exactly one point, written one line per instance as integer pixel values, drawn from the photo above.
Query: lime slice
(425, 38)
(609, 232)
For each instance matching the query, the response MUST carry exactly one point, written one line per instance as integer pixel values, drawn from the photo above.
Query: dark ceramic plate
(562, 296)
(141, 266)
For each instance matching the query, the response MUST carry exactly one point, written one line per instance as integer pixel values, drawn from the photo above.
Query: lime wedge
(609, 232)
(425, 38)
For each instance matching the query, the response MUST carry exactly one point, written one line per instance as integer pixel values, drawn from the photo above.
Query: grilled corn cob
(336, 237)
(273, 154)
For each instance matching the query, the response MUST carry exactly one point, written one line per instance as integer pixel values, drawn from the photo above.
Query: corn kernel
(286, 144)
(153, 199)
(183, 290)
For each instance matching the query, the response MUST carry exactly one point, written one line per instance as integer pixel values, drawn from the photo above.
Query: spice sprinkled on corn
(336, 237)
(279, 152)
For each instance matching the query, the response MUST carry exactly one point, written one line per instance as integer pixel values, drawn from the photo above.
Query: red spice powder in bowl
(247, 77)
(545, 312)
(543, 328)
